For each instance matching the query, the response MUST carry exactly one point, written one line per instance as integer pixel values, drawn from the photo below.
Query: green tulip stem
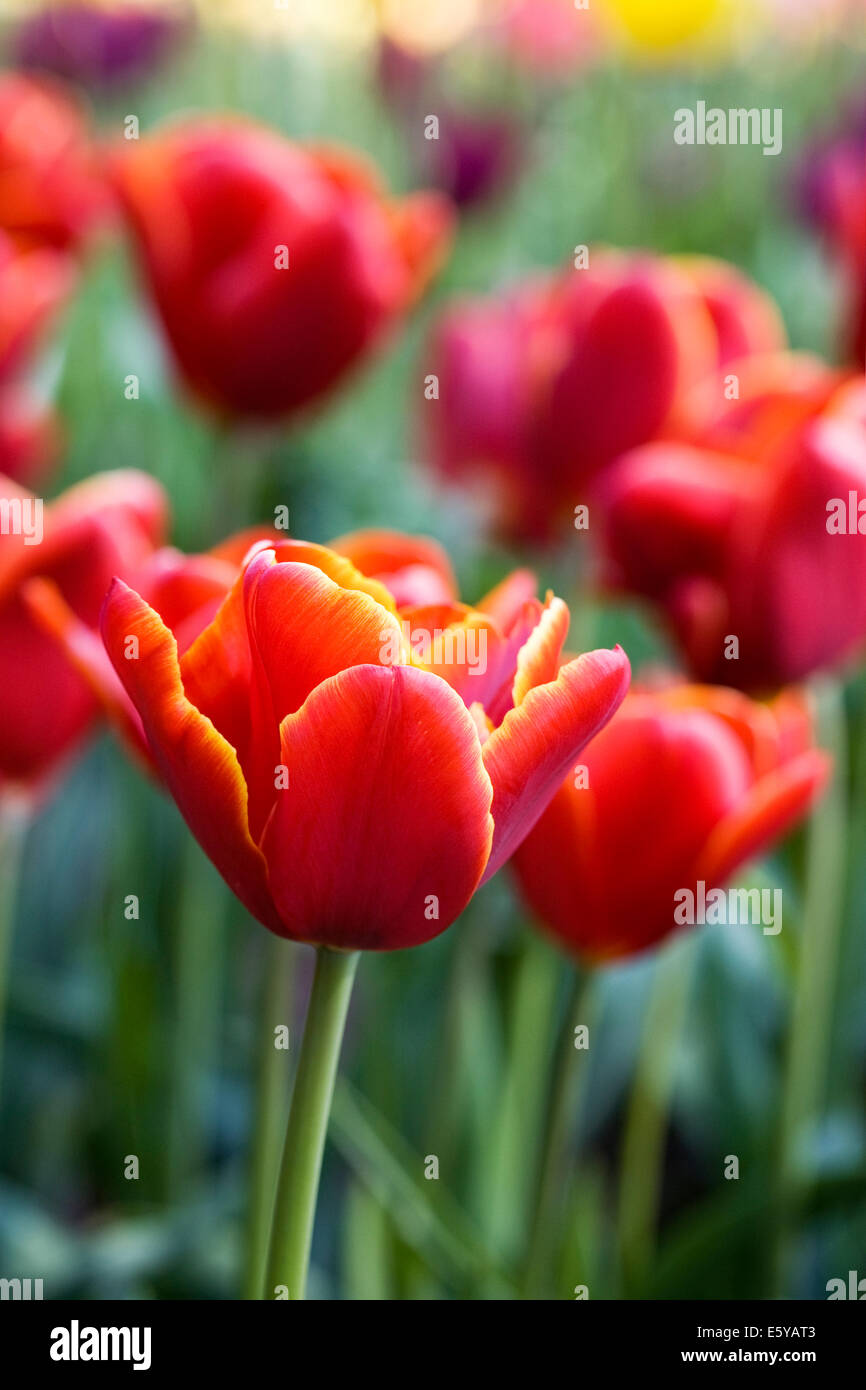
(271, 1108)
(298, 1185)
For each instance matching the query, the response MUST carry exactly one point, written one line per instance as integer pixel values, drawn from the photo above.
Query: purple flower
(477, 156)
(100, 48)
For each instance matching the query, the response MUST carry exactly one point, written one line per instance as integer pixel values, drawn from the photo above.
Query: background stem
(301, 1166)
(811, 1020)
(643, 1148)
(515, 1134)
(14, 822)
(198, 950)
(565, 1097)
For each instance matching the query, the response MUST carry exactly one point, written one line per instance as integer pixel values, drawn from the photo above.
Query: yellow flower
(661, 27)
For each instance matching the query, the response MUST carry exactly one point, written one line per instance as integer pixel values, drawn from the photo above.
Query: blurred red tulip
(414, 569)
(98, 529)
(733, 533)
(29, 437)
(351, 769)
(185, 590)
(50, 190)
(746, 320)
(274, 267)
(33, 285)
(540, 392)
(682, 787)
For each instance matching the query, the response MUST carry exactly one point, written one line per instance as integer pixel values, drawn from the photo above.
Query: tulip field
(432, 653)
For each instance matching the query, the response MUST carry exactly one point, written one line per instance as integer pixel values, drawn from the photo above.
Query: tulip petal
(82, 645)
(107, 523)
(774, 805)
(462, 646)
(341, 568)
(668, 512)
(415, 569)
(506, 601)
(200, 767)
(530, 753)
(538, 660)
(303, 628)
(216, 670)
(386, 818)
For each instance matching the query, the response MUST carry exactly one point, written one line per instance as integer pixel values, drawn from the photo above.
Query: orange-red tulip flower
(96, 530)
(50, 190)
(682, 787)
(541, 390)
(750, 537)
(185, 590)
(33, 286)
(274, 267)
(351, 769)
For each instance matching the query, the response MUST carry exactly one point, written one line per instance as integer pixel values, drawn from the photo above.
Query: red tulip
(33, 285)
(682, 787)
(349, 769)
(274, 268)
(414, 569)
(50, 192)
(29, 437)
(745, 319)
(186, 592)
(98, 529)
(540, 391)
(734, 536)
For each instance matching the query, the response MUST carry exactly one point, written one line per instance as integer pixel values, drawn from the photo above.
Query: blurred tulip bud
(274, 268)
(100, 528)
(683, 786)
(736, 533)
(51, 192)
(541, 390)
